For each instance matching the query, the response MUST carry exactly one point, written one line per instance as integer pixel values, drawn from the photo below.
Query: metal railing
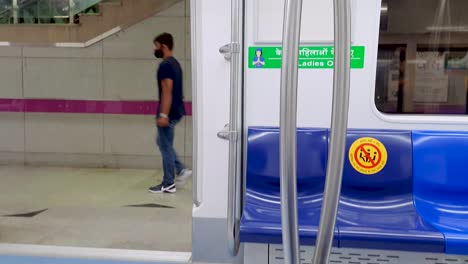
(288, 127)
(44, 11)
(196, 179)
(339, 124)
(232, 132)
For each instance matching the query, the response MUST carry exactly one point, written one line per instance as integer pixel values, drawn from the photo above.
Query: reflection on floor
(100, 208)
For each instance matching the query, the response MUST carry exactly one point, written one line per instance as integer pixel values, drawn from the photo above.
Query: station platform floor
(93, 208)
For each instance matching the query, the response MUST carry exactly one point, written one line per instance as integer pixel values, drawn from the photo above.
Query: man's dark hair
(165, 39)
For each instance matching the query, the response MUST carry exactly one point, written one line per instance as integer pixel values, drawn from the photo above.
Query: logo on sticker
(367, 155)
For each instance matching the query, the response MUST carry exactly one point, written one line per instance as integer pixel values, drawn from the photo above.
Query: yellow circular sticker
(367, 155)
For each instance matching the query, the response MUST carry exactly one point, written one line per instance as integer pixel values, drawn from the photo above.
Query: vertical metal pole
(339, 123)
(70, 12)
(14, 5)
(196, 100)
(238, 41)
(235, 127)
(288, 127)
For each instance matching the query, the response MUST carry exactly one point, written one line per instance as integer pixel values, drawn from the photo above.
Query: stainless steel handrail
(339, 123)
(196, 179)
(233, 133)
(288, 127)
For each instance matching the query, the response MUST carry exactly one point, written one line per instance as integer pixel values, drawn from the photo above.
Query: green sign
(313, 57)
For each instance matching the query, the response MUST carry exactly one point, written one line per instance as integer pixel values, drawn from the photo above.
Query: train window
(423, 57)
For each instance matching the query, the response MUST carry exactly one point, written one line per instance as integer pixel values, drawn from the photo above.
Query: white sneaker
(163, 189)
(183, 176)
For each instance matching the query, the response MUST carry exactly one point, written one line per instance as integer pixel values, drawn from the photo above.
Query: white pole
(14, 4)
(70, 11)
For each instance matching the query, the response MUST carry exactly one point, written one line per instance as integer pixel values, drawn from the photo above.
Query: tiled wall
(121, 67)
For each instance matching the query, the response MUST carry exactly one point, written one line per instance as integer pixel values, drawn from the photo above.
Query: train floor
(98, 208)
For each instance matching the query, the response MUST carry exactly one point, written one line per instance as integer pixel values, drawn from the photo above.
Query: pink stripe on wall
(83, 106)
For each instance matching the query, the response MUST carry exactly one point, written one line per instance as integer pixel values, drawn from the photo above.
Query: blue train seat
(441, 184)
(417, 202)
(261, 219)
(377, 211)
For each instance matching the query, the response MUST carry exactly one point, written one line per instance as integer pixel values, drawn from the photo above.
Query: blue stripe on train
(398, 208)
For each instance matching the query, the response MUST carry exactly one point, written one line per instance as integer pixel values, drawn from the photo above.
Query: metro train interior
(318, 131)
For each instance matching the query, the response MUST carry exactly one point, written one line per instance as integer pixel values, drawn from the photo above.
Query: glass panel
(28, 12)
(423, 57)
(85, 6)
(6, 12)
(52, 11)
(47, 11)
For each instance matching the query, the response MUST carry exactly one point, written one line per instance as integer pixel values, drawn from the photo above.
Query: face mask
(158, 53)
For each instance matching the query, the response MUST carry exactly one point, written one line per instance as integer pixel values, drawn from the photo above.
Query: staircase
(112, 16)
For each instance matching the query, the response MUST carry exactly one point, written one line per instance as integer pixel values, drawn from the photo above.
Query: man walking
(171, 111)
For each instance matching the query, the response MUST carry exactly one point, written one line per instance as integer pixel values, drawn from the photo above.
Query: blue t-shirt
(170, 69)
